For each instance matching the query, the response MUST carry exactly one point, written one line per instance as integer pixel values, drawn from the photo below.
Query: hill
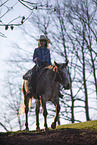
(84, 133)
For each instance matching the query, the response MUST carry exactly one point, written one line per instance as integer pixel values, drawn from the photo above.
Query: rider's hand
(36, 60)
(37, 65)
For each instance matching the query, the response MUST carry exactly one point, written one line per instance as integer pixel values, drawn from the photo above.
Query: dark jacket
(43, 55)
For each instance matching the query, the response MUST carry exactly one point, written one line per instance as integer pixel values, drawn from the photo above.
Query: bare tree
(83, 18)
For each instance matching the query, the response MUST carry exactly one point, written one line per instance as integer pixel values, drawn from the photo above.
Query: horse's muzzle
(67, 87)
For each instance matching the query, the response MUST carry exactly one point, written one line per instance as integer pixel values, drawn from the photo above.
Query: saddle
(32, 76)
(35, 70)
(27, 75)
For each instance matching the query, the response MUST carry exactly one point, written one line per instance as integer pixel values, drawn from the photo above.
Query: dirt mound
(53, 137)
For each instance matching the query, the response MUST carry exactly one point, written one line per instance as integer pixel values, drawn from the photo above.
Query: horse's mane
(54, 68)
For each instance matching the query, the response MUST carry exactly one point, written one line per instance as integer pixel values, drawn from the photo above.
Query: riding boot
(29, 88)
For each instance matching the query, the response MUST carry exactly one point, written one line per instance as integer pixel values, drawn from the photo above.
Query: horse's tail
(22, 106)
(22, 109)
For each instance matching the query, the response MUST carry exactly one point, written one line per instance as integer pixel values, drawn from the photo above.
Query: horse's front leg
(37, 114)
(44, 113)
(53, 125)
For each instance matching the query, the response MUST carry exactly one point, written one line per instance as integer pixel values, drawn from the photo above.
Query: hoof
(53, 126)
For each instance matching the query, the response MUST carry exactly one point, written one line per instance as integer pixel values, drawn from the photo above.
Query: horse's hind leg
(53, 125)
(37, 114)
(44, 113)
(26, 102)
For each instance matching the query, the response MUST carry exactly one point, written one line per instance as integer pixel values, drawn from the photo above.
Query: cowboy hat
(42, 37)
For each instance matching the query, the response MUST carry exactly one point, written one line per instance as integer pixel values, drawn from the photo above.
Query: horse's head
(63, 74)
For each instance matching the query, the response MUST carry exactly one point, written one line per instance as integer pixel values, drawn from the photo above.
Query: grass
(92, 125)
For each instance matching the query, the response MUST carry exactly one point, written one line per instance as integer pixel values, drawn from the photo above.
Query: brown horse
(47, 88)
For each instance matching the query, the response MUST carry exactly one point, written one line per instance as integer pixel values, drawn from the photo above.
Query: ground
(52, 137)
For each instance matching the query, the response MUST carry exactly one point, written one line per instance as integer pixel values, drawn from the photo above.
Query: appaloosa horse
(47, 88)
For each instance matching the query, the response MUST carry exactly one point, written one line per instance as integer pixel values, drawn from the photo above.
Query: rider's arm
(35, 56)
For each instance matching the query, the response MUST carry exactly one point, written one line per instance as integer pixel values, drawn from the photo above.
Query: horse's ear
(65, 64)
(56, 64)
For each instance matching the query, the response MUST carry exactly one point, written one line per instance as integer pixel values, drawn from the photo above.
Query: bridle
(59, 75)
(57, 72)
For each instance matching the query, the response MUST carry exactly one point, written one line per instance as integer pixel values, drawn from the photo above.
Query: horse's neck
(49, 73)
(52, 76)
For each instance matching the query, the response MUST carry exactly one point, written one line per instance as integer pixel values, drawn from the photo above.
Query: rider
(41, 58)
(42, 54)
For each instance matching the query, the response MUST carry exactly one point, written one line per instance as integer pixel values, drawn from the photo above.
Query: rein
(59, 75)
(56, 72)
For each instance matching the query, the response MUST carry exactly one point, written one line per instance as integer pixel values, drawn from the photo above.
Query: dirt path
(55, 137)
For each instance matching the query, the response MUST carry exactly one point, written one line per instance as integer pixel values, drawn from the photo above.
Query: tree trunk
(84, 79)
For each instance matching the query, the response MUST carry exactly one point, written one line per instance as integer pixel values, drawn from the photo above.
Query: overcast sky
(11, 35)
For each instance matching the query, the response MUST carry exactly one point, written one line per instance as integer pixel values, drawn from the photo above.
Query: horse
(47, 88)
